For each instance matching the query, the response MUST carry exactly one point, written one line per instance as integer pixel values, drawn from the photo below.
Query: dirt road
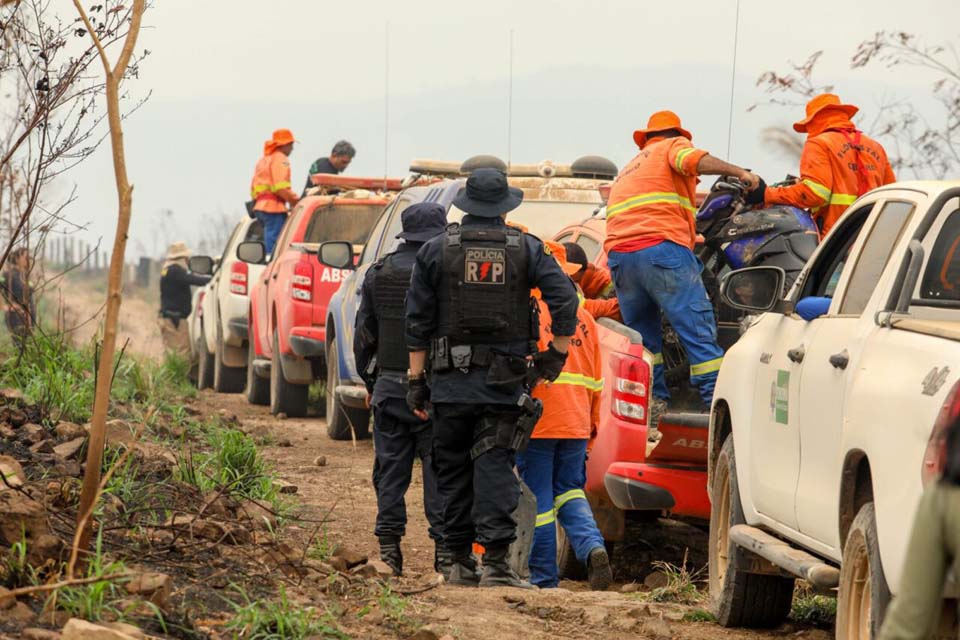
(342, 488)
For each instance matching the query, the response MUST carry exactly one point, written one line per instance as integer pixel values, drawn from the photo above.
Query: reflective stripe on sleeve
(593, 384)
(822, 192)
(681, 156)
(710, 366)
(607, 290)
(845, 199)
(657, 359)
(272, 188)
(656, 197)
(543, 519)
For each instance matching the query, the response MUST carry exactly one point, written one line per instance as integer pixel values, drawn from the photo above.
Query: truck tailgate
(683, 438)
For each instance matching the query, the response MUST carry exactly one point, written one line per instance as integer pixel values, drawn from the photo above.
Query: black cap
(576, 254)
(487, 194)
(422, 221)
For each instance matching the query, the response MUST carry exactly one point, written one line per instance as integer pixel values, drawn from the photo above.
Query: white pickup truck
(823, 432)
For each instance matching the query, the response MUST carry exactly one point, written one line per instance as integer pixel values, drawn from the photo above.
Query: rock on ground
(77, 629)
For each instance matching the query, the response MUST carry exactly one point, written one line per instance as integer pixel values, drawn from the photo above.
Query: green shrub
(275, 620)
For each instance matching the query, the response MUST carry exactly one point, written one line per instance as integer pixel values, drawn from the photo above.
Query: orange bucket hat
(660, 121)
(282, 137)
(560, 253)
(820, 103)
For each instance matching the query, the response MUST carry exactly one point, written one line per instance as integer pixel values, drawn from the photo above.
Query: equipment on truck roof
(589, 167)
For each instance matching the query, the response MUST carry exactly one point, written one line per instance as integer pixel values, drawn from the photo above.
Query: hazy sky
(224, 74)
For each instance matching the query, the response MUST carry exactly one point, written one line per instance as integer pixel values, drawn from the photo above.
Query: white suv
(221, 315)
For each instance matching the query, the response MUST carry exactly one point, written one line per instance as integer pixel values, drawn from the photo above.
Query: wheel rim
(858, 606)
(723, 527)
(332, 382)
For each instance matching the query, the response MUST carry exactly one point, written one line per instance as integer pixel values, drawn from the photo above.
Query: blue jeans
(272, 225)
(555, 470)
(667, 277)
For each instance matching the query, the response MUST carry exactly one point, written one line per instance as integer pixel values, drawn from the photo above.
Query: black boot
(599, 573)
(390, 554)
(497, 572)
(460, 568)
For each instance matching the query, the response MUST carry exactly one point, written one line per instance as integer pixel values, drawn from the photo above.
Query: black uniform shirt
(543, 272)
(320, 165)
(389, 384)
(175, 282)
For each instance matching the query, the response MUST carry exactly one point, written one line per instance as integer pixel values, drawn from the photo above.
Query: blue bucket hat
(422, 221)
(487, 194)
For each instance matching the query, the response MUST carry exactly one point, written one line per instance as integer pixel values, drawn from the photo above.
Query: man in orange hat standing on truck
(651, 233)
(270, 187)
(838, 165)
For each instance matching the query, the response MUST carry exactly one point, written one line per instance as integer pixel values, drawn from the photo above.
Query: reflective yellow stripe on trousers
(543, 519)
(566, 497)
(710, 366)
(655, 197)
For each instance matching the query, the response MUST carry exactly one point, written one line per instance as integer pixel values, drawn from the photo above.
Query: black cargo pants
(479, 496)
(398, 438)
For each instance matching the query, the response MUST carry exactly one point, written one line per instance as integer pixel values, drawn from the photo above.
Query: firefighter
(651, 234)
(270, 187)
(554, 463)
(381, 357)
(594, 281)
(340, 158)
(469, 304)
(176, 298)
(838, 164)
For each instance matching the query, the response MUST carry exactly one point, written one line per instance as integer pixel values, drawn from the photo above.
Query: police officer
(469, 305)
(381, 357)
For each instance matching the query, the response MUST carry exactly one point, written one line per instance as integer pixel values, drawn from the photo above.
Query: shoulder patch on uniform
(546, 249)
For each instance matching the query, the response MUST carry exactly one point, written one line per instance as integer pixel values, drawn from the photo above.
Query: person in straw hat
(175, 298)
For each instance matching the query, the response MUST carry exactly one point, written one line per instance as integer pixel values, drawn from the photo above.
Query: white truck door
(833, 358)
(775, 435)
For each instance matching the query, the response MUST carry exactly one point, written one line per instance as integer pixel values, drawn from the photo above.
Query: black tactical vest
(484, 293)
(390, 285)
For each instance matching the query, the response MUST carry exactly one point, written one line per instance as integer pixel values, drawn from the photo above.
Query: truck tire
(738, 598)
(226, 379)
(863, 593)
(342, 421)
(285, 397)
(258, 389)
(205, 366)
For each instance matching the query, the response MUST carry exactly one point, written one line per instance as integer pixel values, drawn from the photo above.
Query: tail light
(239, 274)
(631, 388)
(935, 457)
(302, 282)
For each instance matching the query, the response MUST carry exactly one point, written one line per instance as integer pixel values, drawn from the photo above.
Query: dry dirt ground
(342, 490)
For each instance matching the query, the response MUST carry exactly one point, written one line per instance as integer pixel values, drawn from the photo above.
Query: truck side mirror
(201, 265)
(336, 254)
(756, 289)
(252, 252)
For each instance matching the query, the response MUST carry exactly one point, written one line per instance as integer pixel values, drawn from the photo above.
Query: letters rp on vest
(484, 294)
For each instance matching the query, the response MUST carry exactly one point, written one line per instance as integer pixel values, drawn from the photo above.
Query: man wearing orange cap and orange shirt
(651, 233)
(838, 165)
(553, 464)
(270, 187)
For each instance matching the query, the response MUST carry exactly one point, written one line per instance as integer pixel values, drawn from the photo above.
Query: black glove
(756, 196)
(549, 363)
(418, 394)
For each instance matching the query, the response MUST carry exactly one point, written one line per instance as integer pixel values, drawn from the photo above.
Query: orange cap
(820, 103)
(560, 253)
(282, 137)
(660, 121)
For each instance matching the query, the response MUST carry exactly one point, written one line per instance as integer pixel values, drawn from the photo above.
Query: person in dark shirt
(21, 312)
(382, 360)
(176, 298)
(340, 157)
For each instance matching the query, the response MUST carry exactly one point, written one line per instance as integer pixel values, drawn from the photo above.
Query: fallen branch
(24, 591)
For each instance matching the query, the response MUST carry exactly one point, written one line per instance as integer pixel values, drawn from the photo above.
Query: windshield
(543, 218)
(349, 223)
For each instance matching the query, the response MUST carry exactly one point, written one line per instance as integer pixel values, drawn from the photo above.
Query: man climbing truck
(825, 430)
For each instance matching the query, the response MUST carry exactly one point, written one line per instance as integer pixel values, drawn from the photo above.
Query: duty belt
(394, 376)
(444, 357)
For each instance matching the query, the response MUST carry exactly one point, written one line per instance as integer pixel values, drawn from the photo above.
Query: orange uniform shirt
(571, 403)
(271, 186)
(596, 282)
(653, 198)
(603, 308)
(830, 175)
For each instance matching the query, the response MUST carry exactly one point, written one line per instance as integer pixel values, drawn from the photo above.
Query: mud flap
(518, 555)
